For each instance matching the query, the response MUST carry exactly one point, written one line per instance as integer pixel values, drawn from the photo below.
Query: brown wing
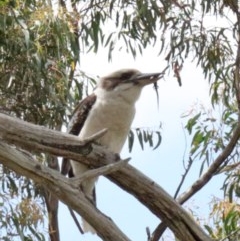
(75, 125)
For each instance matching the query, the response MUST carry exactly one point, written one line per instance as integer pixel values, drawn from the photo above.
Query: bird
(111, 106)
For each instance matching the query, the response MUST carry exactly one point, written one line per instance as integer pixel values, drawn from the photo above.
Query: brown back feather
(75, 125)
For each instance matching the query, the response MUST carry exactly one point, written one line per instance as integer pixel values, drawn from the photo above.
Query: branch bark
(63, 188)
(52, 204)
(150, 194)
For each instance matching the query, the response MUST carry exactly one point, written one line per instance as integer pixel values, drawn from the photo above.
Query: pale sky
(163, 165)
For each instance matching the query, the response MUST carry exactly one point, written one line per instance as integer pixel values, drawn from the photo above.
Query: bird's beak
(145, 79)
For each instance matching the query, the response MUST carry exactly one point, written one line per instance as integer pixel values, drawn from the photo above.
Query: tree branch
(203, 180)
(213, 168)
(100, 171)
(52, 204)
(33, 137)
(187, 169)
(24, 164)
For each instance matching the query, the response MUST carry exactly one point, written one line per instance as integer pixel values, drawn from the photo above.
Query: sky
(165, 164)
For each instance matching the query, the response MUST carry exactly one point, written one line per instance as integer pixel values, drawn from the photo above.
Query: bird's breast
(116, 116)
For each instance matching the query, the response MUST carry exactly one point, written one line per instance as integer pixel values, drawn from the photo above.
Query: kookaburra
(110, 106)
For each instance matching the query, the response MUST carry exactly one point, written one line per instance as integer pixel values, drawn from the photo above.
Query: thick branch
(24, 164)
(203, 180)
(52, 204)
(130, 179)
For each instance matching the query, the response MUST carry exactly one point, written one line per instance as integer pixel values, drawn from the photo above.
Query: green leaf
(140, 137)
(150, 138)
(209, 229)
(108, 39)
(197, 140)
(159, 140)
(27, 36)
(192, 122)
(130, 140)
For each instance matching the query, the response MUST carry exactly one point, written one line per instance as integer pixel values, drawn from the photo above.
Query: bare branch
(100, 171)
(237, 69)
(158, 232)
(41, 139)
(203, 180)
(187, 169)
(95, 136)
(52, 203)
(179, 4)
(231, 234)
(62, 187)
(128, 178)
(75, 220)
(207, 176)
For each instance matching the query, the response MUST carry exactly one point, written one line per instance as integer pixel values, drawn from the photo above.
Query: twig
(231, 234)
(95, 136)
(190, 162)
(207, 176)
(75, 220)
(148, 233)
(158, 232)
(100, 171)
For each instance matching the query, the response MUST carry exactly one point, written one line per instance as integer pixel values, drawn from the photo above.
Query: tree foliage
(41, 80)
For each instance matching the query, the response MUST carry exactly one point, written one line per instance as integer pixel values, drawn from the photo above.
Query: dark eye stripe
(126, 76)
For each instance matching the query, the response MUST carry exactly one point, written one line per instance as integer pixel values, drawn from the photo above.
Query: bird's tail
(90, 192)
(88, 188)
(87, 227)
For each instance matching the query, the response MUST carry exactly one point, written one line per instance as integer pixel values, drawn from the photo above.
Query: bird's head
(127, 83)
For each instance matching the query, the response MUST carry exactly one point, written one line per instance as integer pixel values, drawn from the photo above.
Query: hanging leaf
(159, 140)
(140, 137)
(130, 140)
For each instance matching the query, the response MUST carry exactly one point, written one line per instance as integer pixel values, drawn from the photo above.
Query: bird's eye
(126, 76)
